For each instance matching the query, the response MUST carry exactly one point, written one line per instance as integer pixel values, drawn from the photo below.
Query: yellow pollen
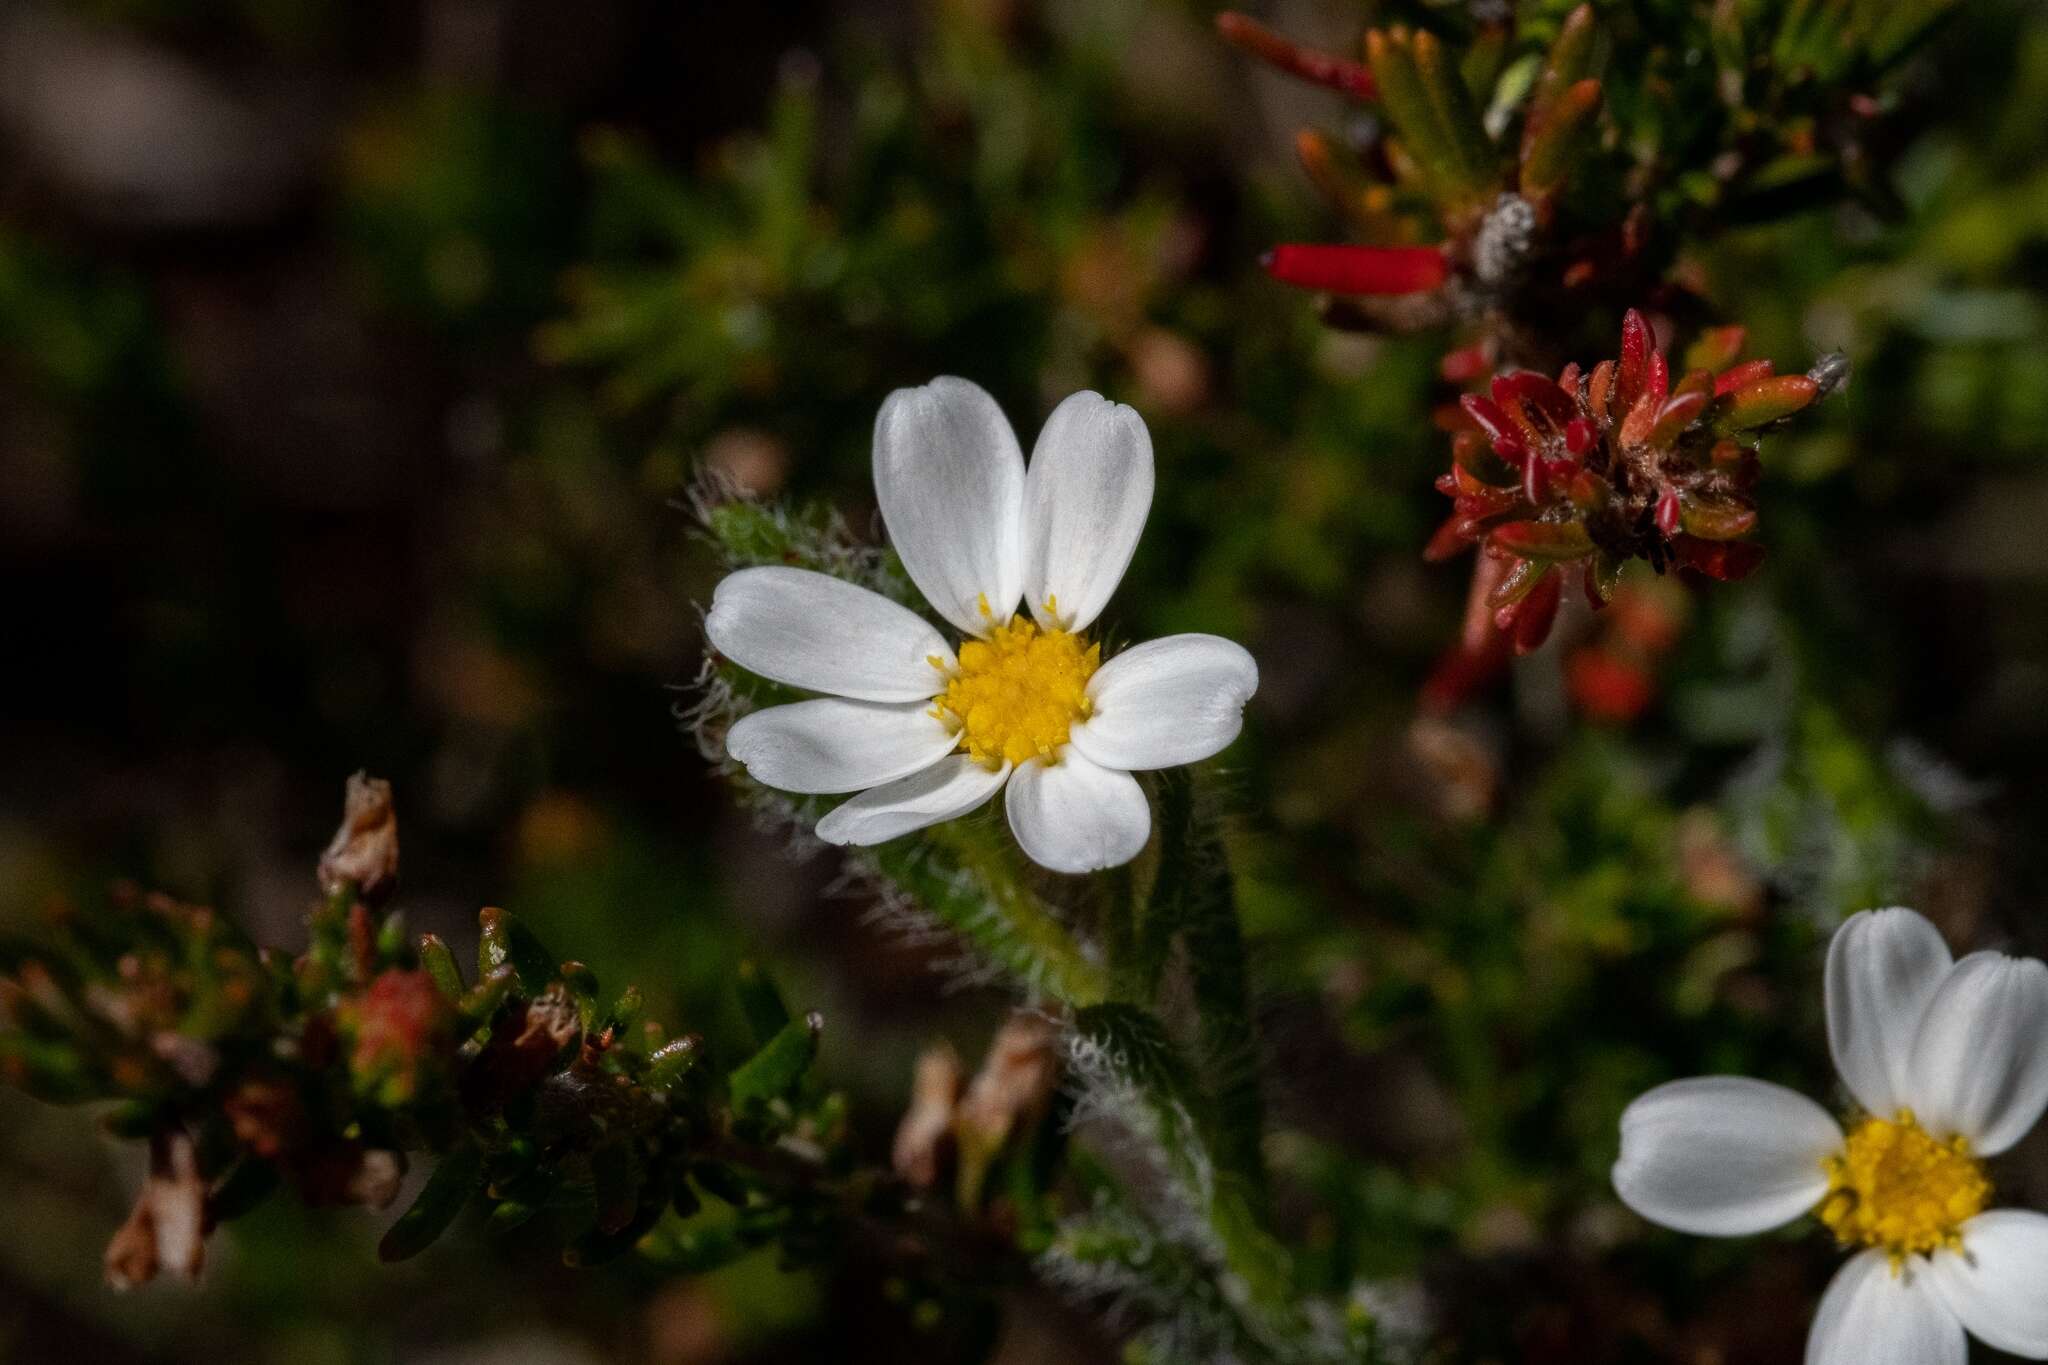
(1017, 692)
(1897, 1187)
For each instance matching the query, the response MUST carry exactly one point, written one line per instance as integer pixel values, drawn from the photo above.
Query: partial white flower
(922, 732)
(1945, 1059)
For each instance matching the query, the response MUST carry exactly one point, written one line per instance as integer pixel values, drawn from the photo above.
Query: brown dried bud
(166, 1231)
(131, 1254)
(1015, 1082)
(925, 1134)
(365, 849)
(377, 1179)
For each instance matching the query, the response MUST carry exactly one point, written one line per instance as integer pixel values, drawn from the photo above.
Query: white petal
(1724, 1156)
(950, 477)
(1883, 968)
(1872, 1315)
(1167, 702)
(1076, 816)
(952, 786)
(815, 631)
(1978, 1066)
(1085, 501)
(1996, 1285)
(830, 745)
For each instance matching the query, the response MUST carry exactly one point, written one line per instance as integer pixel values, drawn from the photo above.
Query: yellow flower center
(1018, 692)
(1897, 1187)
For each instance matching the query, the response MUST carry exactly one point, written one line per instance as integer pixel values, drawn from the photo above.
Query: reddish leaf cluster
(397, 1027)
(1582, 473)
(1437, 172)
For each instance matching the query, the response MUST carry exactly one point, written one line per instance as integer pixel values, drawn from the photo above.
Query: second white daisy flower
(924, 733)
(1946, 1061)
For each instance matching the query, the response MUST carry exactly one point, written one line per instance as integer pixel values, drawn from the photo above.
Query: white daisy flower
(925, 734)
(1947, 1062)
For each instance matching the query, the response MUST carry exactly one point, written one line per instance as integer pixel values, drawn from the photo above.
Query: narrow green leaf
(1408, 107)
(1731, 48)
(512, 1213)
(1569, 61)
(1481, 65)
(624, 1013)
(1169, 887)
(438, 962)
(582, 984)
(1456, 115)
(1543, 539)
(507, 942)
(1762, 402)
(779, 1066)
(1556, 147)
(1200, 907)
(1713, 519)
(670, 1062)
(391, 936)
(454, 1182)
(1904, 23)
(761, 1002)
(487, 995)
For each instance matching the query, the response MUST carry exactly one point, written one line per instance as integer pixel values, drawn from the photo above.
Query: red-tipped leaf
(1319, 68)
(1375, 270)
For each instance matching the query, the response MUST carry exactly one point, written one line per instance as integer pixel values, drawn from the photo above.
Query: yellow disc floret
(1897, 1187)
(1017, 692)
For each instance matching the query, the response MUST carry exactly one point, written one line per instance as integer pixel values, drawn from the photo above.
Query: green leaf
(507, 942)
(1451, 101)
(1762, 402)
(391, 936)
(512, 1213)
(1408, 107)
(624, 1013)
(454, 1182)
(761, 1002)
(1543, 539)
(438, 962)
(1198, 904)
(1558, 146)
(778, 1067)
(1714, 518)
(670, 1062)
(484, 998)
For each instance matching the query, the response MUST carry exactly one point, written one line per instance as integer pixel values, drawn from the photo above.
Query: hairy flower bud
(927, 1127)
